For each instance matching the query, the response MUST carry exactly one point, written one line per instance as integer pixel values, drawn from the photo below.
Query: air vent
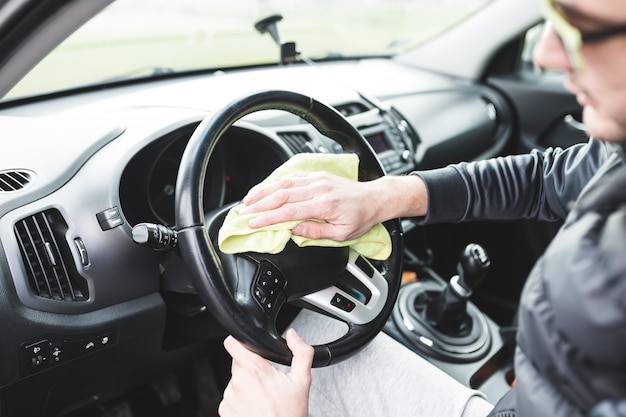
(44, 252)
(350, 109)
(14, 180)
(298, 142)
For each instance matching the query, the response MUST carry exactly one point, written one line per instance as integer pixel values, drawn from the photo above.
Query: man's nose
(549, 52)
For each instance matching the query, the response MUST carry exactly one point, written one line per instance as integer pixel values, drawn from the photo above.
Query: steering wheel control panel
(54, 350)
(267, 285)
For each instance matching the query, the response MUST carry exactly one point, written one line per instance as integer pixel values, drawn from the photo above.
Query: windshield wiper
(149, 71)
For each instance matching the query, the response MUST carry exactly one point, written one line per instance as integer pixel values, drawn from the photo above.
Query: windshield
(142, 38)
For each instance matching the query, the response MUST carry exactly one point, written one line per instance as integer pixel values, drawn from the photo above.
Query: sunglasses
(573, 38)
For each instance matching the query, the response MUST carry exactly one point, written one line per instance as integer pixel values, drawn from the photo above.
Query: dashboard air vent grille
(298, 142)
(14, 180)
(44, 252)
(350, 109)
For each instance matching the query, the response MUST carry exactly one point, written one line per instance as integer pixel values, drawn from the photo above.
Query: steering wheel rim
(212, 271)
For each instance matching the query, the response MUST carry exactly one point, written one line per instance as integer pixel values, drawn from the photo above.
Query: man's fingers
(242, 356)
(285, 213)
(278, 202)
(302, 353)
(270, 186)
(302, 356)
(262, 190)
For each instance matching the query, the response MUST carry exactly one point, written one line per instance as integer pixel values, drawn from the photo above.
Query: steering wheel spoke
(357, 297)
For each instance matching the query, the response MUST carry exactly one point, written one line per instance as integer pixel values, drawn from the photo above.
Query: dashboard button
(82, 251)
(56, 355)
(110, 218)
(89, 345)
(37, 355)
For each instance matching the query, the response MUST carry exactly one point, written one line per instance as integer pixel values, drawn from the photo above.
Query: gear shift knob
(472, 266)
(448, 311)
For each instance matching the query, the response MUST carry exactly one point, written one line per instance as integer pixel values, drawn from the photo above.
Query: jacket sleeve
(540, 185)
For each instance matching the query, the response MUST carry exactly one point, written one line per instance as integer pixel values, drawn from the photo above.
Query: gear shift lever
(438, 318)
(473, 266)
(447, 312)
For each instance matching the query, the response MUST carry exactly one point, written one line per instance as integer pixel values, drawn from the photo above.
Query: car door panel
(547, 114)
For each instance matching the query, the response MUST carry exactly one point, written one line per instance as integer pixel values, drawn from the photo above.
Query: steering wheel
(246, 291)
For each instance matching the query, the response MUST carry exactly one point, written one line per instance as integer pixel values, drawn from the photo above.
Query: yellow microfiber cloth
(235, 236)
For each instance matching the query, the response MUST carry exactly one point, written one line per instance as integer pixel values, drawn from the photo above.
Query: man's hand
(348, 209)
(257, 388)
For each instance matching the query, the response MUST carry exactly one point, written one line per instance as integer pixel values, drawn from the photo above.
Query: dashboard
(76, 290)
(236, 166)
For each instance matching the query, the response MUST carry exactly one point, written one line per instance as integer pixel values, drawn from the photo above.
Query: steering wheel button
(258, 293)
(342, 302)
(277, 281)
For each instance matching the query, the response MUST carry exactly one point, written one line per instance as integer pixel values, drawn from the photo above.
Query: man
(571, 352)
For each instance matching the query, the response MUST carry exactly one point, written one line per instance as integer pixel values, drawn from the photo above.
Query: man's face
(600, 85)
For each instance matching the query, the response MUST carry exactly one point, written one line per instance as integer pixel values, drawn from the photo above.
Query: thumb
(302, 355)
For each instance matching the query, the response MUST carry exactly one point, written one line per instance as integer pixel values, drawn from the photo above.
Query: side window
(526, 59)
(567, 128)
(530, 40)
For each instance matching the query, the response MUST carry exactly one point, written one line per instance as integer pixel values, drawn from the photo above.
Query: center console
(389, 135)
(435, 318)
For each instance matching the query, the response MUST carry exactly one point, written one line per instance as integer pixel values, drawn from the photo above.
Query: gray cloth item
(384, 379)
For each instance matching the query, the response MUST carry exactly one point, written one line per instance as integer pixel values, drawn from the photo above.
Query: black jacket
(571, 350)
